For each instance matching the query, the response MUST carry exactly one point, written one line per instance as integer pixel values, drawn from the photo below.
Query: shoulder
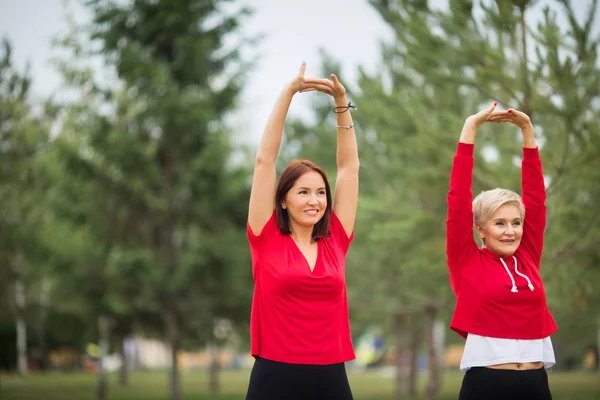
(270, 230)
(337, 233)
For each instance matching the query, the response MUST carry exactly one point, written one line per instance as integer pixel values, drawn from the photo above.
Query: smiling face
(503, 230)
(303, 187)
(306, 201)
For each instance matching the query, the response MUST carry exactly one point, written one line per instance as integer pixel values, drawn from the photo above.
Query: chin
(312, 220)
(507, 251)
(305, 220)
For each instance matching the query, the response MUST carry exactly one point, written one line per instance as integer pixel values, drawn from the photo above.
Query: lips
(507, 241)
(311, 212)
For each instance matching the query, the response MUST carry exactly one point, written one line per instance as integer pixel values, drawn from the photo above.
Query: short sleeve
(258, 240)
(338, 233)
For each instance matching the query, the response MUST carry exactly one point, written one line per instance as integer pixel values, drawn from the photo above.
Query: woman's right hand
(482, 116)
(301, 84)
(469, 130)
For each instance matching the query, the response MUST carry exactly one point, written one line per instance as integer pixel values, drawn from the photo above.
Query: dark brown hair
(287, 180)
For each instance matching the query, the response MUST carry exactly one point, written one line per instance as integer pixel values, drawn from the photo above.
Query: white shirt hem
(482, 351)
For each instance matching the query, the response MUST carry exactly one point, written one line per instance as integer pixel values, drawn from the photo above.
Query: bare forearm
(468, 133)
(469, 130)
(347, 148)
(271, 139)
(528, 138)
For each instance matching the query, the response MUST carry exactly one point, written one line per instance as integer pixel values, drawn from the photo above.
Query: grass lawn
(153, 386)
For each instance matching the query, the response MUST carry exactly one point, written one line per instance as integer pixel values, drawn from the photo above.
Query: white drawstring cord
(514, 286)
(529, 284)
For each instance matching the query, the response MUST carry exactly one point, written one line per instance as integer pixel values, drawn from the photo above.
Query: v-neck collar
(310, 271)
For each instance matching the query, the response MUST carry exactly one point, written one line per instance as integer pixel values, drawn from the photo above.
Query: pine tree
(441, 66)
(156, 145)
(477, 52)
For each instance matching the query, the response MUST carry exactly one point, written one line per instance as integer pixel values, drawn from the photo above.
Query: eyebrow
(504, 219)
(305, 188)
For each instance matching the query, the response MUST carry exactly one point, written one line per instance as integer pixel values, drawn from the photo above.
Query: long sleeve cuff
(465, 149)
(531, 153)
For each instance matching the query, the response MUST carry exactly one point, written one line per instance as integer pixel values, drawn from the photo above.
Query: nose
(510, 230)
(313, 199)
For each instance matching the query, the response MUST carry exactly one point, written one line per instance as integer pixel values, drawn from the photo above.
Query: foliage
(442, 66)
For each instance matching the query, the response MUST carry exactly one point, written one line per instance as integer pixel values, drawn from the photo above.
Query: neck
(301, 234)
(496, 253)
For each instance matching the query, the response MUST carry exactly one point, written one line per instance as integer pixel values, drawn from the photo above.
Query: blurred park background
(126, 153)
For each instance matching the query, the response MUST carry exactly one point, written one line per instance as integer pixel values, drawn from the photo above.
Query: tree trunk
(21, 327)
(400, 328)
(41, 323)
(433, 381)
(125, 362)
(41, 354)
(103, 331)
(213, 350)
(173, 337)
(170, 248)
(415, 342)
(439, 338)
(598, 346)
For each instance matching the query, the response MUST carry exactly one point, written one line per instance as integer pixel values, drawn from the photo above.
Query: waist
(296, 338)
(527, 327)
(291, 346)
(303, 358)
(274, 363)
(513, 354)
(518, 366)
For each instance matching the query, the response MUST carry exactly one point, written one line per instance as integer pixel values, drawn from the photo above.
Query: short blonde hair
(487, 202)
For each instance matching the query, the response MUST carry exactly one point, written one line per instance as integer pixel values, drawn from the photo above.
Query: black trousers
(482, 383)
(272, 380)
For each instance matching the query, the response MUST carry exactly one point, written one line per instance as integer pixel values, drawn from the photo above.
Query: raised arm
(346, 185)
(262, 194)
(459, 221)
(345, 198)
(533, 189)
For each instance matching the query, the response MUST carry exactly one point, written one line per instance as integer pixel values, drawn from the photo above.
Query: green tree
(23, 138)
(441, 66)
(156, 153)
(477, 52)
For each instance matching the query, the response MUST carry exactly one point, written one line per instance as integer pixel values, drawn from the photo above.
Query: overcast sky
(349, 30)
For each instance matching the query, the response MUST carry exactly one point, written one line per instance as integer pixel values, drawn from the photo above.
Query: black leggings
(272, 380)
(495, 384)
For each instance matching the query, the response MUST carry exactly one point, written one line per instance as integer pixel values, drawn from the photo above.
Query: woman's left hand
(519, 119)
(512, 116)
(338, 90)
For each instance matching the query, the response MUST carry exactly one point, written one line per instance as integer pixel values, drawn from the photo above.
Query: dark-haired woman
(299, 237)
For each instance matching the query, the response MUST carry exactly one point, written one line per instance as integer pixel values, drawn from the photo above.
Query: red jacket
(487, 301)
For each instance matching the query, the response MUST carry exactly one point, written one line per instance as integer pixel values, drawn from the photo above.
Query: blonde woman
(501, 307)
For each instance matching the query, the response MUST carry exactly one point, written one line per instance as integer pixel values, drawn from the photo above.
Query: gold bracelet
(346, 126)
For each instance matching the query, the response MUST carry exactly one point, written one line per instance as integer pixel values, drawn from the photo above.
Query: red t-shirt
(485, 302)
(299, 316)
